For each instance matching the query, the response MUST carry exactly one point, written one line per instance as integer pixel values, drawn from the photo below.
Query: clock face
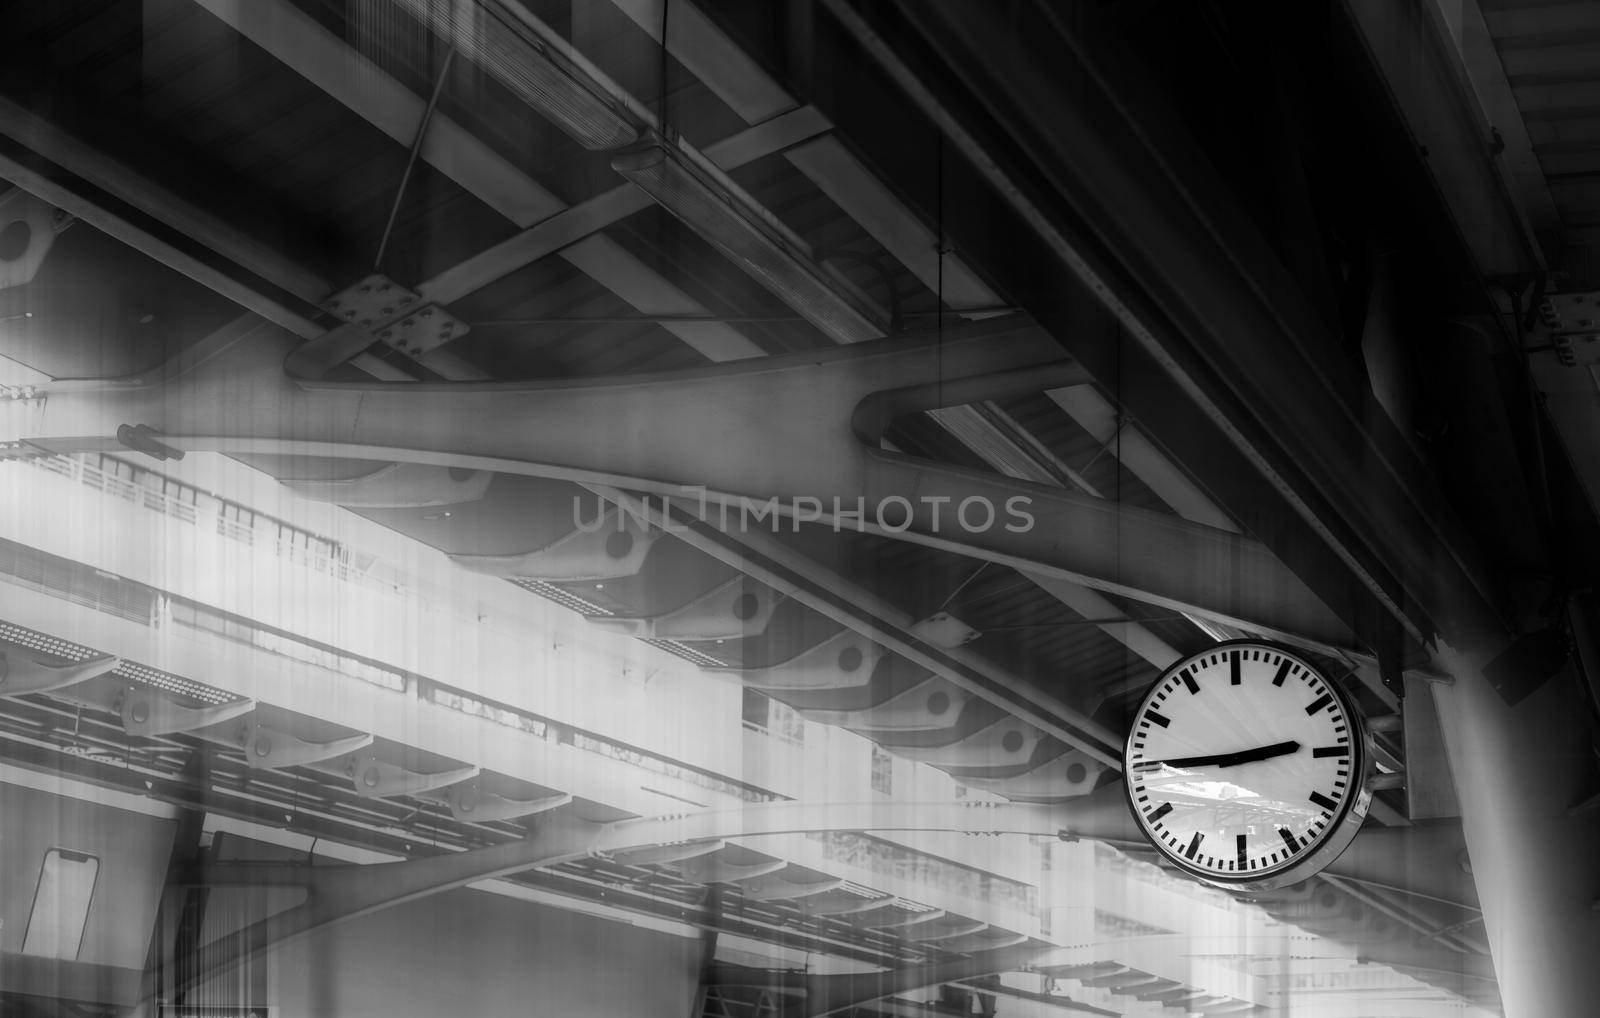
(1244, 763)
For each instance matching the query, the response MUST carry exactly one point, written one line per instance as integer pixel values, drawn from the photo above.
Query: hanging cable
(411, 160)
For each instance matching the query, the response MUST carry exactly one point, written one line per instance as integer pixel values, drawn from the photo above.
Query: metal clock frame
(1340, 832)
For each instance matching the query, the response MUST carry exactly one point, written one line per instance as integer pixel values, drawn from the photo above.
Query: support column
(1518, 771)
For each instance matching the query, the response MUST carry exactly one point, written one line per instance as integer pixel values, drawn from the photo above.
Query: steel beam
(755, 96)
(283, 315)
(772, 436)
(1432, 91)
(1204, 304)
(95, 167)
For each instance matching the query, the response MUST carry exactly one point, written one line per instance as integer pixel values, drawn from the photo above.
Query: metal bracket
(914, 920)
(28, 227)
(667, 853)
(141, 438)
(985, 940)
(843, 661)
(944, 630)
(845, 905)
(945, 931)
(773, 888)
(741, 607)
(1571, 322)
(1068, 775)
(1002, 744)
(468, 802)
(615, 546)
(395, 316)
(269, 749)
(373, 779)
(925, 707)
(20, 675)
(151, 712)
(705, 869)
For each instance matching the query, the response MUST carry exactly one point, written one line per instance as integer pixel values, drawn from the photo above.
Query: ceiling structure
(428, 417)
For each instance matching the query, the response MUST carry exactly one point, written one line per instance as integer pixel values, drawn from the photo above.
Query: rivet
(409, 322)
(426, 313)
(349, 315)
(406, 299)
(387, 311)
(364, 288)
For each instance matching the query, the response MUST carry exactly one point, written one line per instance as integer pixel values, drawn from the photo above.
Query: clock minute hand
(1230, 759)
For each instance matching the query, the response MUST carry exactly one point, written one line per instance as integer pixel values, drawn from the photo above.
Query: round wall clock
(1247, 766)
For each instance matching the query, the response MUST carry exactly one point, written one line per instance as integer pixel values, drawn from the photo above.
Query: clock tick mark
(1323, 801)
(1283, 673)
(1194, 845)
(1319, 703)
(1188, 680)
(1159, 719)
(1322, 751)
(1288, 839)
(1160, 811)
(1233, 669)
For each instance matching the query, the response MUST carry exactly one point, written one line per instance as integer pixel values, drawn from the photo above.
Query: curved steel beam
(793, 455)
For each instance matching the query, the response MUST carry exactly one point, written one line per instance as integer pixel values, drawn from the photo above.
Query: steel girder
(788, 437)
(1226, 364)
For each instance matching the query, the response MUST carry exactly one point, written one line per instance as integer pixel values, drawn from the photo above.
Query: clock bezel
(1335, 838)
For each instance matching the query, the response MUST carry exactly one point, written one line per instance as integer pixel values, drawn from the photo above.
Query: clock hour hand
(1242, 756)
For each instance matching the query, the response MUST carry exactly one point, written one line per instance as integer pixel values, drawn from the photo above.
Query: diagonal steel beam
(777, 435)
(88, 163)
(1211, 304)
(298, 41)
(303, 46)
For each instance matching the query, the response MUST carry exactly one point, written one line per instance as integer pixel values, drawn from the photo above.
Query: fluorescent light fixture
(61, 905)
(724, 214)
(537, 66)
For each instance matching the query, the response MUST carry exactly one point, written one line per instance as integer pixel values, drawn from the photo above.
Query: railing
(301, 547)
